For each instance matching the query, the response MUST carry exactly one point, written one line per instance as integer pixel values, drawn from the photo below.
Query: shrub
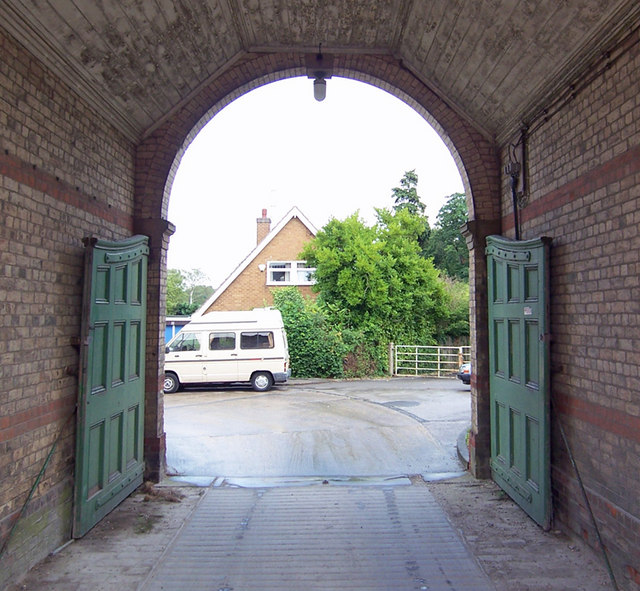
(316, 349)
(364, 355)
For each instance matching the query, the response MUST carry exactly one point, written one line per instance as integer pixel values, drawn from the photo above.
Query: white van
(221, 347)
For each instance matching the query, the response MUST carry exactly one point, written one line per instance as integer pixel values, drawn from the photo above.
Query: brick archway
(158, 156)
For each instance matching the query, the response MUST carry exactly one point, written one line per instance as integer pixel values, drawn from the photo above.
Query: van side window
(256, 340)
(222, 341)
(185, 342)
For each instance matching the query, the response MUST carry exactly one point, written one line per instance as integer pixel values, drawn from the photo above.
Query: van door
(222, 357)
(256, 353)
(186, 357)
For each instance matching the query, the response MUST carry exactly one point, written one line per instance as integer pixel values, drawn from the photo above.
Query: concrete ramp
(320, 537)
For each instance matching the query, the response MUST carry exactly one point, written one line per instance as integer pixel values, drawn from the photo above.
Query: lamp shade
(319, 89)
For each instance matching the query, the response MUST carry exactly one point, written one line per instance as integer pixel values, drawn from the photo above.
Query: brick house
(271, 264)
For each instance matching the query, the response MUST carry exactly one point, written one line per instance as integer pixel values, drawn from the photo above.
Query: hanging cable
(614, 584)
(592, 72)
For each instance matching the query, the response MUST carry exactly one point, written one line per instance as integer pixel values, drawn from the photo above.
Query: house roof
(294, 212)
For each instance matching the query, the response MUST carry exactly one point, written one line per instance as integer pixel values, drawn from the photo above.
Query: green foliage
(446, 245)
(376, 287)
(183, 309)
(417, 302)
(406, 195)
(315, 348)
(186, 291)
(456, 328)
(366, 355)
(379, 284)
(175, 291)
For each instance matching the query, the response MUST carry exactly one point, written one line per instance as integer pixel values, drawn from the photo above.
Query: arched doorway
(159, 154)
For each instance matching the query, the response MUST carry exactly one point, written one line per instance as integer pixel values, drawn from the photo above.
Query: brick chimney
(264, 226)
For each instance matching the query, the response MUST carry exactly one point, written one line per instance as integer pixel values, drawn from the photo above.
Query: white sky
(276, 147)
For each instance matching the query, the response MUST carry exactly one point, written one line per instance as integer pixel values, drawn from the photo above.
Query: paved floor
(146, 537)
(318, 537)
(260, 528)
(321, 428)
(367, 529)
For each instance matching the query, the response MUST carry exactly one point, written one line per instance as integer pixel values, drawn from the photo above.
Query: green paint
(109, 445)
(519, 372)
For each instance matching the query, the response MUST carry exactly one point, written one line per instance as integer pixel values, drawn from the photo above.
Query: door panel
(518, 363)
(222, 357)
(109, 442)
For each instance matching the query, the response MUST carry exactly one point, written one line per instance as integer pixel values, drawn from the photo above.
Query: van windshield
(188, 341)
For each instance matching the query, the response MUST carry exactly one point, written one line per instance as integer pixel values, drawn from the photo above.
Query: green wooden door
(519, 372)
(109, 443)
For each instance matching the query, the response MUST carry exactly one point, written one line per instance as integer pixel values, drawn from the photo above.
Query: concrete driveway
(383, 428)
(255, 535)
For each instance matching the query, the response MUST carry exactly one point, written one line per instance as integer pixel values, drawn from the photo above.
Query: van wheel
(171, 383)
(261, 381)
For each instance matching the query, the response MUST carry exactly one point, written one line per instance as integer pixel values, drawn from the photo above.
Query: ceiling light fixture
(319, 67)
(319, 88)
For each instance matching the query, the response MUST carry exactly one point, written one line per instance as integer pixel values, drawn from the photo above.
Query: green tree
(456, 329)
(186, 291)
(175, 291)
(374, 279)
(346, 257)
(196, 286)
(406, 198)
(417, 299)
(446, 245)
(406, 195)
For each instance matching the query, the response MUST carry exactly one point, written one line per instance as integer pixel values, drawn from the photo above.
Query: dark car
(464, 373)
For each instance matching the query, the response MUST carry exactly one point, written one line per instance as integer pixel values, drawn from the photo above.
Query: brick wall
(250, 290)
(64, 174)
(584, 165)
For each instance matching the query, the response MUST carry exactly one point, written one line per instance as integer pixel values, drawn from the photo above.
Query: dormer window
(289, 273)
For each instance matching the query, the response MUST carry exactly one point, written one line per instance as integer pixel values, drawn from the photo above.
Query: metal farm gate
(435, 361)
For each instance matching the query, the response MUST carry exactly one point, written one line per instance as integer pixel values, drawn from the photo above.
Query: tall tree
(176, 296)
(406, 198)
(456, 330)
(446, 245)
(406, 195)
(196, 283)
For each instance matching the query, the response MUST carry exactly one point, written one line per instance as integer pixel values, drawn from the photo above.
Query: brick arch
(159, 153)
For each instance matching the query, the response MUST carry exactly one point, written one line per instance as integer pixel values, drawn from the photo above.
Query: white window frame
(292, 270)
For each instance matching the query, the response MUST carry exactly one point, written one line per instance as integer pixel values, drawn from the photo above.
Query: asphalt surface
(322, 429)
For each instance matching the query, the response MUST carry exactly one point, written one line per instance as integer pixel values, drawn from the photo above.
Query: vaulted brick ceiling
(495, 61)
